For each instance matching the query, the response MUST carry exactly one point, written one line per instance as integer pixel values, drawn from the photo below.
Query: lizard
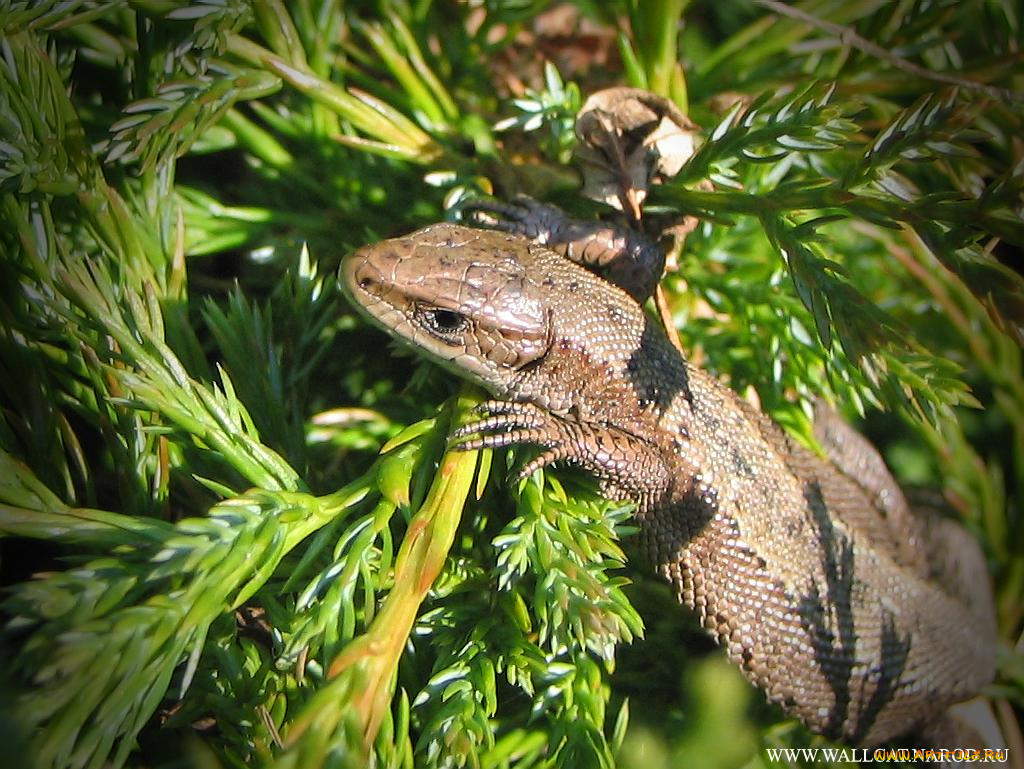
(811, 571)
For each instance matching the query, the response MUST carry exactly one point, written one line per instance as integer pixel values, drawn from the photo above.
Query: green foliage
(833, 175)
(231, 528)
(554, 109)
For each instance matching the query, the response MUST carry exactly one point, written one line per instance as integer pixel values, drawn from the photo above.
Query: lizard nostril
(357, 274)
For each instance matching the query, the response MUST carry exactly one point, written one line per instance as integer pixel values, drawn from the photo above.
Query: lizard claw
(542, 460)
(525, 216)
(509, 407)
(511, 423)
(508, 423)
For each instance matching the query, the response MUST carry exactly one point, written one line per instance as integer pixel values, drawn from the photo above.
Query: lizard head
(513, 316)
(460, 295)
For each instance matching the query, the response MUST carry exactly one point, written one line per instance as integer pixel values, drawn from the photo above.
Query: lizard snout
(361, 274)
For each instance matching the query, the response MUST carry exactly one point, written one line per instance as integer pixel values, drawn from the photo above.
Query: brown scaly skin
(811, 573)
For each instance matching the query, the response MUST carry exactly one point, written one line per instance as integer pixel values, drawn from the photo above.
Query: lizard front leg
(627, 466)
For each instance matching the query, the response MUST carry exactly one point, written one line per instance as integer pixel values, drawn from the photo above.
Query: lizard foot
(540, 222)
(611, 454)
(511, 423)
(624, 257)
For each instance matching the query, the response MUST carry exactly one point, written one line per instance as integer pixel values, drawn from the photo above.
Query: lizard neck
(628, 377)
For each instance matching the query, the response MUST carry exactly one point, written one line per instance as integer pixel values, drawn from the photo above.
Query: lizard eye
(446, 325)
